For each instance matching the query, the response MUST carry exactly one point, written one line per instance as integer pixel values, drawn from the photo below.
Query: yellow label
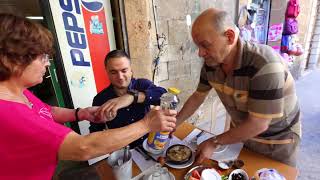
(151, 137)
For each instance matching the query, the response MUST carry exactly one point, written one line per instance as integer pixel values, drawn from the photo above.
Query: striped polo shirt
(259, 85)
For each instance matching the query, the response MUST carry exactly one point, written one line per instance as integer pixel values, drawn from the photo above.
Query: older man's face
(212, 45)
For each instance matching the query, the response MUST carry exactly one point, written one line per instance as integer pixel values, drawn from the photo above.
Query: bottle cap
(174, 91)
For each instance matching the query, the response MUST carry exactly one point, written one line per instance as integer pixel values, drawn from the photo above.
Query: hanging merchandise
(291, 23)
(295, 49)
(290, 26)
(289, 42)
(290, 45)
(293, 8)
(285, 43)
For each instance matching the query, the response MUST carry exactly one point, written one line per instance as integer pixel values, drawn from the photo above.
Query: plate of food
(179, 156)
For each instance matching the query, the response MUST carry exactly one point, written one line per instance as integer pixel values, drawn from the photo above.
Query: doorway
(49, 90)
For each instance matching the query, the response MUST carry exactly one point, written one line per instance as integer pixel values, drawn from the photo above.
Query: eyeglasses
(45, 58)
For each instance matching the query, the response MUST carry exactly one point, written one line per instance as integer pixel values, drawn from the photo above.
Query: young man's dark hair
(115, 54)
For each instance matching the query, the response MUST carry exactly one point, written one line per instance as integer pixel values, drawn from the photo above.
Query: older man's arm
(251, 127)
(191, 105)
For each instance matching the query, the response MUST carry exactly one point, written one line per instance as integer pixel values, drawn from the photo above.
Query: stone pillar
(140, 36)
(306, 20)
(315, 42)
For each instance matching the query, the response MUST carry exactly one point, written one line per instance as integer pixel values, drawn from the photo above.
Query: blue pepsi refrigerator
(84, 34)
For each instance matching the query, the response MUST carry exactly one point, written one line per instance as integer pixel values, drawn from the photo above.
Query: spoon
(238, 164)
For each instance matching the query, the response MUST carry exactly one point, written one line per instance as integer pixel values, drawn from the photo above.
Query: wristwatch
(135, 95)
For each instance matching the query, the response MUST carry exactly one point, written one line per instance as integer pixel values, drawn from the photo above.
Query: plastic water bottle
(170, 99)
(157, 140)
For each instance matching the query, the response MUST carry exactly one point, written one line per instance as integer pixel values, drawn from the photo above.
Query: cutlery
(126, 154)
(194, 140)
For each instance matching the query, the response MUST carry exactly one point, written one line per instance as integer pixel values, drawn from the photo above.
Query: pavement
(308, 91)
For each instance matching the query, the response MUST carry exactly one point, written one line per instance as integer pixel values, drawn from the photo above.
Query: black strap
(76, 114)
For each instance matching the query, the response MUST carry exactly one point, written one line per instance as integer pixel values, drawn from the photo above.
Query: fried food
(179, 153)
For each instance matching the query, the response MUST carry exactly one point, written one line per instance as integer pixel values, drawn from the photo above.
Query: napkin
(141, 162)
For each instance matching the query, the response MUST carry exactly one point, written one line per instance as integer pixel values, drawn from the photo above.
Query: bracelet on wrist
(76, 114)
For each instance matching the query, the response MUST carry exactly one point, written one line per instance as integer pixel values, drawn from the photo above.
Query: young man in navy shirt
(126, 100)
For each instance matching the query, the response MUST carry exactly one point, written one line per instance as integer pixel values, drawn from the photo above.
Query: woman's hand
(89, 114)
(160, 120)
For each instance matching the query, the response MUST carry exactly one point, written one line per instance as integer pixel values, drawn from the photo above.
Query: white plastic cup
(124, 171)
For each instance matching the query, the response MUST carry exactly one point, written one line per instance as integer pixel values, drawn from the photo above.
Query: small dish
(178, 154)
(238, 174)
(184, 165)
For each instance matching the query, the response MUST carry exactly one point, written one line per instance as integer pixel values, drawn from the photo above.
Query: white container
(124, 171)
(210, 174)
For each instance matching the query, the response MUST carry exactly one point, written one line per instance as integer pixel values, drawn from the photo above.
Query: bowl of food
(238, 174)
(178, 154)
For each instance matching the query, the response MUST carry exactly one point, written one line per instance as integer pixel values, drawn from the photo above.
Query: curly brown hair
(21, 41)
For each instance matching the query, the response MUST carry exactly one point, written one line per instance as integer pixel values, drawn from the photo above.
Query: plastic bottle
(157, 140)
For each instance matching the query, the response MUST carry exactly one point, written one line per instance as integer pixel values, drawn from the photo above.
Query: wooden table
(252, 161)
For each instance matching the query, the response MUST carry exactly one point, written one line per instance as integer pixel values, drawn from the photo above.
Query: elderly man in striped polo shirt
(253, 84)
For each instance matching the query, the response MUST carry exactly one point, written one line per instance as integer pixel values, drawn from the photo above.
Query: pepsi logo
(93, 6)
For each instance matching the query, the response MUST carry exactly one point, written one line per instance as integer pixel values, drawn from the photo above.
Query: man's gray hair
(222, 20)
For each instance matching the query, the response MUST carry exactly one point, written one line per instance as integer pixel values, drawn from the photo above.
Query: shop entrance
(49, 90)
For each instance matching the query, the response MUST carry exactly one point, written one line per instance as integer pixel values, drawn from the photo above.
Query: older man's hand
(205, 150)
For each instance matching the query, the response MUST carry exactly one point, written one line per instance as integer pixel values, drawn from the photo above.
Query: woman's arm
(76, 147)
(63, 115)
